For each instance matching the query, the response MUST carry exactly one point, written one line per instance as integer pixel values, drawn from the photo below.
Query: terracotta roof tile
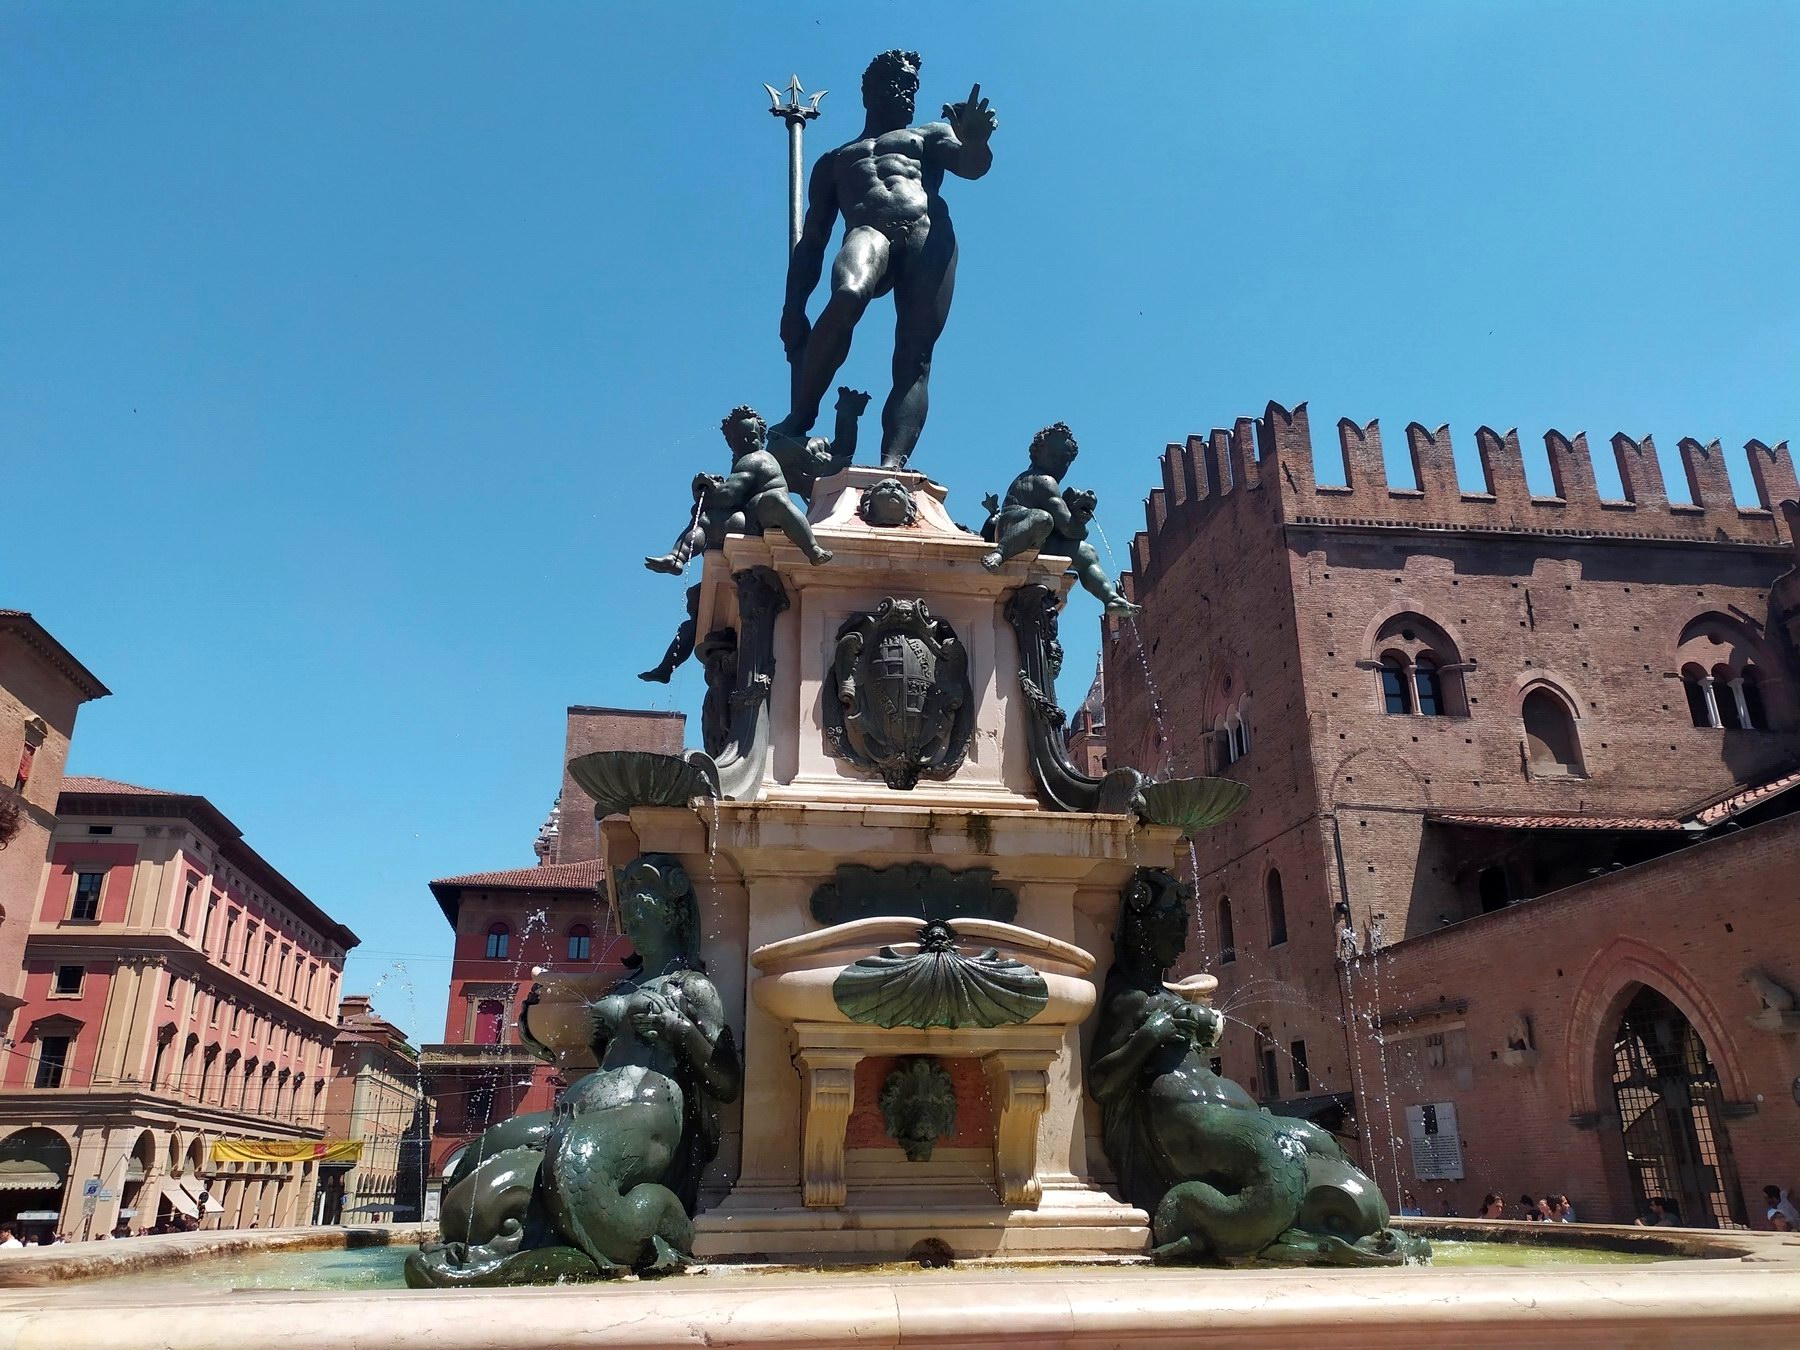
(1485, 820)
(112, 787)
(1745, 798)
(570, 876)
(1698, 818)
(551, 876)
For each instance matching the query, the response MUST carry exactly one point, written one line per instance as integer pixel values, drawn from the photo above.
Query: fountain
(905, 993)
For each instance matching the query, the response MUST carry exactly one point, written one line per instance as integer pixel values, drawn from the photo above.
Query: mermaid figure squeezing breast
(1222, 1178)
(607, 1181)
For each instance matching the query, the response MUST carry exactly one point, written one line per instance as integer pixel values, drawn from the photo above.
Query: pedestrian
(1546, 1211)
(1780, 1204)
(1562, 1209)
(1528, 1209)
(8, 1238)
(1492, 1206)
(1663, 1214)
(1409, 1206)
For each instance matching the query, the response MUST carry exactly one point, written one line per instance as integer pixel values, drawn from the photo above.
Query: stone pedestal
(788, 1183)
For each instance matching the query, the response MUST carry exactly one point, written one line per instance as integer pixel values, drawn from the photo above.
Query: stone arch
(1719, 650)
(1423, 656)
(1711, 638)
(1610, 981)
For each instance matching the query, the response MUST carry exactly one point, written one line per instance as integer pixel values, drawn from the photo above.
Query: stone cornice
(109, 943)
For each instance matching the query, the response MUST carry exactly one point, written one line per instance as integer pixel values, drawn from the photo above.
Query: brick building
(1520, 770)
(375, 1097)
(41, 688)
(178, 990)
(510, 925)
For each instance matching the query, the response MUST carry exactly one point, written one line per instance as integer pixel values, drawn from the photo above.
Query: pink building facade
(177, 989)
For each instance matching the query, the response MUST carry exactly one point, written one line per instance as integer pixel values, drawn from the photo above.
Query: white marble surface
(1741, 1301)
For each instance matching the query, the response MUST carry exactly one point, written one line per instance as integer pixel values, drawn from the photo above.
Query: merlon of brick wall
(1205, 474)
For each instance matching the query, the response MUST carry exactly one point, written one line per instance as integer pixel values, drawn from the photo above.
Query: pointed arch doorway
(1672, 1125)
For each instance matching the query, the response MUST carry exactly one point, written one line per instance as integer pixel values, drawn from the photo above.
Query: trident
(796, 115)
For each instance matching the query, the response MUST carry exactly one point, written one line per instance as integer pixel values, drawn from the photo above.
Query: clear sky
(355, 354)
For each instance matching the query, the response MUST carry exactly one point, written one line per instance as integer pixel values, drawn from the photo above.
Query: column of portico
(121, 1140)
(87, 1158)
(233, 1201)
(306, 1194)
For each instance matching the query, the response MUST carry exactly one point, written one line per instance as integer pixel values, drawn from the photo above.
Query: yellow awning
(286, 1150)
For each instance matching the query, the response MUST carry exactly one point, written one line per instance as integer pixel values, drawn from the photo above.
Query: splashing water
(712, 844)
(418, 1144)
(1377, 942)
(1318, 1080)
(1163, 744)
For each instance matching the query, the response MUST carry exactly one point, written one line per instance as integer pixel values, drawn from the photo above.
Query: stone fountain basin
(798, 973)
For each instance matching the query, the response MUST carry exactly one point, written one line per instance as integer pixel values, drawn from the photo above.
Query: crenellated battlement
(1206, 474)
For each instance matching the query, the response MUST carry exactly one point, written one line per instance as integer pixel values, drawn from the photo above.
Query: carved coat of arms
(898, 700)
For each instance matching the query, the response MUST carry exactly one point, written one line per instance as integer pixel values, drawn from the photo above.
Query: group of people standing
(1545, 1209)
(1783, 1215)
(10, 1239)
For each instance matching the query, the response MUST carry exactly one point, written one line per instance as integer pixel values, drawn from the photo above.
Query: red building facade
(1506, 901)
(513, 926)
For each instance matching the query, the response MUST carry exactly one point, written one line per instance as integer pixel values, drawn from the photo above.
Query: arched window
(499, 938)
(1419, 669)
(1430, 687)
(1277, 910)
(1227, 933)
(1231, 733)
(1551, 743)
(1721, 663)
(581, 942)
(1396, 697)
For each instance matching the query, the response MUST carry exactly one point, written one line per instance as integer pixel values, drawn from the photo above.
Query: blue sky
(354, 354)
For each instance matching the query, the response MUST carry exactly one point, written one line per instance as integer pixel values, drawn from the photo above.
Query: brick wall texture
(1270, 598)
(592, 729)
